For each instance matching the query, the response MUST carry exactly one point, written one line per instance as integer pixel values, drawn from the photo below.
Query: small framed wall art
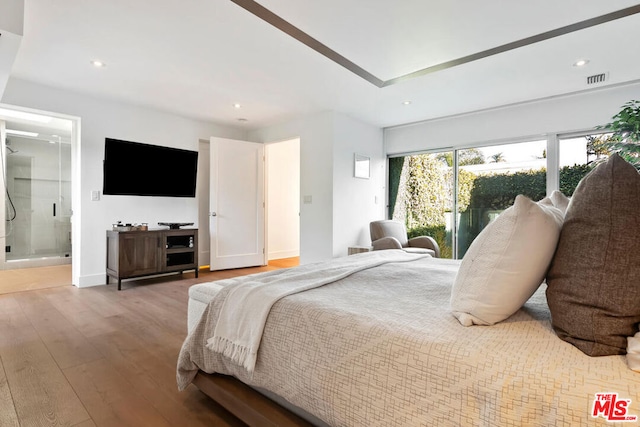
(361, 166)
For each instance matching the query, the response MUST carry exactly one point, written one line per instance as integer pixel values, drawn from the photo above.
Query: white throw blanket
(633, 352)
(244, 311)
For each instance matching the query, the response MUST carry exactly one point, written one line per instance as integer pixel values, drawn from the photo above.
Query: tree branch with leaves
(625, 128)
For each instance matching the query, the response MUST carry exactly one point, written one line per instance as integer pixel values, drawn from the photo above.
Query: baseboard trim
(284, 254)
(92, 280)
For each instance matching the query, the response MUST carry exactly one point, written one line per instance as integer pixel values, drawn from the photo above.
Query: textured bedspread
(381, 348)
(243, 313)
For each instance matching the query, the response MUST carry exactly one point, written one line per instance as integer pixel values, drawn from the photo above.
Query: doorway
(283, 199)
(282, 181)
(35, 154)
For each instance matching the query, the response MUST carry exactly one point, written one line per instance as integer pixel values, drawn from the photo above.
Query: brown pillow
(594, 280)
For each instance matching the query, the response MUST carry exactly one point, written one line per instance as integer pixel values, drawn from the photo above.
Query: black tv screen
(135, 169)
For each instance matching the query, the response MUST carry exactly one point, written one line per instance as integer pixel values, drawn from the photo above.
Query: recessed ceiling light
(237, 106)
(581, 63)
(21, 133)
(406, 102)
(98, 64)
(242, 119)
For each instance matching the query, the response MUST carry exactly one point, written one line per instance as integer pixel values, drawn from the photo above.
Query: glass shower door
(38, 198)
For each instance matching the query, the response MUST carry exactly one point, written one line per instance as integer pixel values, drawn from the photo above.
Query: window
(578, 155)
(490, 178)
(486, 181)
(421, 195)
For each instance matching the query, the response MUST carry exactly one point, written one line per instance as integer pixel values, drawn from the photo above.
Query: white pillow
(558, 200)
(506, 263)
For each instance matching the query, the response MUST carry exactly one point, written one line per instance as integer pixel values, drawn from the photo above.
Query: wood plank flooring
(99, 357)
(26, 279)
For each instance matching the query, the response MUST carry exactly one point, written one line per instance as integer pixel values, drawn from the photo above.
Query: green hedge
(440, 235)
(499, 191)
(480, 198)
(570, 176)
(494, 193)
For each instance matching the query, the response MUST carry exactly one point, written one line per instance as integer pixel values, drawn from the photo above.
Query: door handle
(213, 214)
(54, 209)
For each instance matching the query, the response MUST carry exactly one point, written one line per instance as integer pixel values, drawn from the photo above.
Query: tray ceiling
(198, 58)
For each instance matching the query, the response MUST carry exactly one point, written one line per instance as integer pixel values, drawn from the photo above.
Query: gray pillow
(594, 279)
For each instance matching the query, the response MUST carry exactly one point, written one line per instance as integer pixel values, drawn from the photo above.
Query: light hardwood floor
(27, 279)
(99, 357)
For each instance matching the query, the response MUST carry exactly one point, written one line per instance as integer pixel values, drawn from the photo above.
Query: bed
(393, 339)
(381, 347)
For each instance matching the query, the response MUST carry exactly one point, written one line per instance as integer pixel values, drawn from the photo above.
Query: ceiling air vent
(596, 78)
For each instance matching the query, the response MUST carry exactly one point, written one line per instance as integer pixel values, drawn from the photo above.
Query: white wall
(11, 30)
(356, 201)
(316, 169)
(104, 118)
(562, 114)
(283, 199)
(12, 16)
(341, 207)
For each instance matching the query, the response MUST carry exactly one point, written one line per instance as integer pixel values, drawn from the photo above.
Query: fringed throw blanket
(244, 310)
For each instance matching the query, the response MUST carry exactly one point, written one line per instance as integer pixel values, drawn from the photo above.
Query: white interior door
(237, 213)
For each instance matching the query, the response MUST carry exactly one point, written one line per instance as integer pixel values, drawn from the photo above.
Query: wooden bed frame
(245, 403)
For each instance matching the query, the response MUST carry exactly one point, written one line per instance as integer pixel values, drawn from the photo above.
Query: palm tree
(497, 158)
(470, 156)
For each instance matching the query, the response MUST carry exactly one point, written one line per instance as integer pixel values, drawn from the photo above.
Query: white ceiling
(198, 57)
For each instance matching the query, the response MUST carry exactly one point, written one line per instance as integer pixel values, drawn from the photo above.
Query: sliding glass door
(422, 196)
(578, 155)
(490, 178)
(486, 180)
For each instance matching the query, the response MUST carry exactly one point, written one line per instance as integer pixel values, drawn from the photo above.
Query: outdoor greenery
(598, 146)
(499, 191)
(466, 181)
(395, 171)
(439, 233)
(428, 190)
(470, 156)
(570, 176)
(423, 196)
(625, 139)
(421, 186)
(490, 195)
(497, 158)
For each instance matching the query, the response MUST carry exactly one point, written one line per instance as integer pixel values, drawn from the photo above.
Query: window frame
(552, 163)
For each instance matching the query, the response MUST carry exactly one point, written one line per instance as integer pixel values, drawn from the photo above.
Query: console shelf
(143, 253)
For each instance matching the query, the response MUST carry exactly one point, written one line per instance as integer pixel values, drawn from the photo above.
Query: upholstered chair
(389, 234)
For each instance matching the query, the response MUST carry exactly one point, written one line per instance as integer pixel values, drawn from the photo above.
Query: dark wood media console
(143, 253)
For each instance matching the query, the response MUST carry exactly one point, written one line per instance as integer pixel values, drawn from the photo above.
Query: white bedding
(243, 312)
(381, 348)
(199, 297)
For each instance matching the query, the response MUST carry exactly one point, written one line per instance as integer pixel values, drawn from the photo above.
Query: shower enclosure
(37, 193)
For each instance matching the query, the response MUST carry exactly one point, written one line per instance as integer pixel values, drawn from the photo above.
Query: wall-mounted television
(136, 169)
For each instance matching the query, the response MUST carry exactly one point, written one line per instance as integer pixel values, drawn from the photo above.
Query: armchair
(389, 234)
